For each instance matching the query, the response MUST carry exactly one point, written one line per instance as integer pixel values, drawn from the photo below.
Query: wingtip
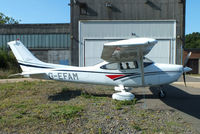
(14, 42)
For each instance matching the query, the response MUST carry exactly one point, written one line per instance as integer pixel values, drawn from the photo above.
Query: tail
(27, 61)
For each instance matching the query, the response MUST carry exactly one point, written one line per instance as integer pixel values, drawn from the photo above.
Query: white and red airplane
(124, 67)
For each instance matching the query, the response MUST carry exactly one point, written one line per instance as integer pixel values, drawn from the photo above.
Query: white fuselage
(154, 74)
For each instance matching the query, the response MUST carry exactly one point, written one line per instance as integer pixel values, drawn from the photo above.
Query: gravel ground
(178, 113)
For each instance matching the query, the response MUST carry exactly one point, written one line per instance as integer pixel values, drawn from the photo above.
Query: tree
(192, 40)
(7, 20)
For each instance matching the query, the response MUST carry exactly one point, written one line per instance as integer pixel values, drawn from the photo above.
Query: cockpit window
(121, 65)
(126, 65)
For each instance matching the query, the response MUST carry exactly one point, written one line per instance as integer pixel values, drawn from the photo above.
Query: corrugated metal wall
(125, 28)
(48, 42)
(38, 41)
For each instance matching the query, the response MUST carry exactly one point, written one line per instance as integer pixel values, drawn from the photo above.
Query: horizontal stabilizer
(13, 75)
(38, 75)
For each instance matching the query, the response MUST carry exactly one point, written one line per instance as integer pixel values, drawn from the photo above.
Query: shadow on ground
(181, 100)
(66, 95)
(176, 98)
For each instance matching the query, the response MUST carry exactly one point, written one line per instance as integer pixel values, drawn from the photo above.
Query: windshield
(110, 66)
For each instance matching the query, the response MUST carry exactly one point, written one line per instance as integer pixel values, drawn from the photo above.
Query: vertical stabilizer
(23, 55)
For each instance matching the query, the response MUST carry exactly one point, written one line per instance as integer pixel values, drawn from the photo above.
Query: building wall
(38, 41)
(53, 56)
(127, 10)
(48, 42)
(194, 61)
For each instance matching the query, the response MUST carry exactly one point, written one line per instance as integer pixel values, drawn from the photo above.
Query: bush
(8, 61)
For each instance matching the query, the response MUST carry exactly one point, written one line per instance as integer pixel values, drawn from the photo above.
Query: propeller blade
(187, 58)
(186, 69)
(184, 79)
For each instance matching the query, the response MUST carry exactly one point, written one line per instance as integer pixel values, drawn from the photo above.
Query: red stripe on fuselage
(114, 76)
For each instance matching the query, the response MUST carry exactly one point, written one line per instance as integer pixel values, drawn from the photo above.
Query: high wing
(127, 50)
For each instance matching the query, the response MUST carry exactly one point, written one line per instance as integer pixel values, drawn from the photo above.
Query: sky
(37, 11)
(192, 16)
(58, 11)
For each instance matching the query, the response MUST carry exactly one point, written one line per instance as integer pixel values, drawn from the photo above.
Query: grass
(55, 107)
(119, 104)
(20, 106)
(65, 112)
(195, 75)
(4, 74)
(137, 127)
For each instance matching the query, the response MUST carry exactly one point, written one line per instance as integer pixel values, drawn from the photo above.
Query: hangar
(96, 22)
(48, 42)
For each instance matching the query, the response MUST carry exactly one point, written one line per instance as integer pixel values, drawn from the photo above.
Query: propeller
(186, 69)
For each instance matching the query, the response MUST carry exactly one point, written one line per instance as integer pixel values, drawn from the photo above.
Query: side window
(110, 66)
(128, 65)
(121, 65)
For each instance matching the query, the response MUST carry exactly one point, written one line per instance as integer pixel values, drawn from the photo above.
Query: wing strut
(140, 55)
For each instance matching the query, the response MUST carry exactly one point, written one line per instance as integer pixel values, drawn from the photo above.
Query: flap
(127, 50)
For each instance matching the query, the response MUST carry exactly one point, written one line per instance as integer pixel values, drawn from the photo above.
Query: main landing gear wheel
(123, 96)
(162, 94)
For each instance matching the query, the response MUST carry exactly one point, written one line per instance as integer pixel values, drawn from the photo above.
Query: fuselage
(154, 74)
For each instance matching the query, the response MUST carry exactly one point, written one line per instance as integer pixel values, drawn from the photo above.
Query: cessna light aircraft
(124, 67)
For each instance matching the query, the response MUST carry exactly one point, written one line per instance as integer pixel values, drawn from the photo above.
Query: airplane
(125, 67)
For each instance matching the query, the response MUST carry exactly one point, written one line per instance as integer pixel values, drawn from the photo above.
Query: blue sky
(58, 11)
(37, 11)
(192, 16)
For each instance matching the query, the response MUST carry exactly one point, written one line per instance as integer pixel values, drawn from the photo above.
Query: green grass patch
(119, 104)
(24, 104)
(195, 75)
(66, 111)
(91, 96)
(137, 127)
(87, 95)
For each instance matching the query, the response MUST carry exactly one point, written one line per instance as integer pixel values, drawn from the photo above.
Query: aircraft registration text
(63, 76)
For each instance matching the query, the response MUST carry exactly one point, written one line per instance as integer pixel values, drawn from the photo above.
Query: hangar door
(93, 34)
(160, 52)
(93, 49)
